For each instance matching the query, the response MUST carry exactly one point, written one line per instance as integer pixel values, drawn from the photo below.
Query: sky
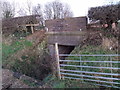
(78, 7)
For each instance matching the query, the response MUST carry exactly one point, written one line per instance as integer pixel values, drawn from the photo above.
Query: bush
(35, 64)
(33, 67)
(20, 34)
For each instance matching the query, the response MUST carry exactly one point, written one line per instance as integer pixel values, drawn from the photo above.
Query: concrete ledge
(67, 33)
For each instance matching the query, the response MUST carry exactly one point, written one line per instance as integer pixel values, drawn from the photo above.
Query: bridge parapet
(67, 24)
(67, 32)
(66, 38)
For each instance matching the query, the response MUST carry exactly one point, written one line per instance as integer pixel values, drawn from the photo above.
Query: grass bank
(23, 57)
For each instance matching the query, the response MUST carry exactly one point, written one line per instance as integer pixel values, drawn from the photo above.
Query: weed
(32, 84)
(59, 85)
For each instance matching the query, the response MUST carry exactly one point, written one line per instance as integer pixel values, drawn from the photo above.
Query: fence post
(111, 67)
(57, 59)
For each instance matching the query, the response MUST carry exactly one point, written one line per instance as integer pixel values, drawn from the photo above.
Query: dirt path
(9, 81)
(12, 79)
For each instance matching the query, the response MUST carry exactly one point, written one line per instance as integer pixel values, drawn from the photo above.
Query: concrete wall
(62, 50)
(66, 38)
(68, 33)
(67, 24)
(66, 41)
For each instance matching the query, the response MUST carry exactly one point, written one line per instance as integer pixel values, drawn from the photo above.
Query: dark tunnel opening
(65, 49)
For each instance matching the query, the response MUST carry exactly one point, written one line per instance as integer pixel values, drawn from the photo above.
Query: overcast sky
(79, 7)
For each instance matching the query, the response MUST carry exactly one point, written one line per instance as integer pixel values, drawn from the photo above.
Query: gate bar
(113, 74)
(89, 66)
(70, 74)
(95, 80)
(89, 55)
(92, 83)
(89, 61)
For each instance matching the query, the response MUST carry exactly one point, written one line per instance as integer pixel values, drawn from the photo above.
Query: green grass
(9, 50)
(54, 82)
(14, 47)
(59, 84)
(90, 50)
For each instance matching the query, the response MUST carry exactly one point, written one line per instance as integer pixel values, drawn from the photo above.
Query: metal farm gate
(97, 69)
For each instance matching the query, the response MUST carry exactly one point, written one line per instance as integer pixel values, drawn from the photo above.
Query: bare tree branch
(38, 11)
(56, 9)
(8, 10)
(26, 10)
(22, 12)
(29, 7)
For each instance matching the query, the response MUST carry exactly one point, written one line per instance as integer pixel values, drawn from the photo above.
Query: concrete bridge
(68, 33)
(66, 41)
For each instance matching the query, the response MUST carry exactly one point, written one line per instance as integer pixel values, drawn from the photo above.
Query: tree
(118, 10)
(38, 11)
(0, 10)
(27, 10)
(22, 12)
(8, 10)
(56, 10)
(29, 7)
(32, 10)
(66, 11)
(106, 14)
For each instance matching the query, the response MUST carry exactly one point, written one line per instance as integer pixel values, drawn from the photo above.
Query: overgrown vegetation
(20, 34)
(34, 61)
(8, 50)
(106, 14)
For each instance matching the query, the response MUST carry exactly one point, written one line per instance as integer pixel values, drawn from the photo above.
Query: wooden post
(57, 59)
(32, 29)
